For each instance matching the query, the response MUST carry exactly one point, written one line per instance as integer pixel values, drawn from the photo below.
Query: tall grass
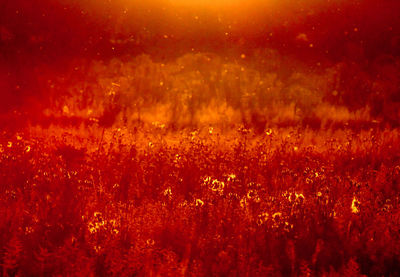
(287, 202)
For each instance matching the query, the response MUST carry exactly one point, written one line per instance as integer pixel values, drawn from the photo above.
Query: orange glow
(199, 138)
(200, 3)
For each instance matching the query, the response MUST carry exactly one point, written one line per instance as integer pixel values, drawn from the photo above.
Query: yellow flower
(231, 177)
(150, 242)
(217, 186)
(299, 195)
(268, 132)
(262, 218)
(199, 202)
(277, 214)
(167, 192)
(243, 202)
(355, 206)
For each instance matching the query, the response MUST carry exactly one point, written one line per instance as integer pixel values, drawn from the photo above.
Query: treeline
(206, 88)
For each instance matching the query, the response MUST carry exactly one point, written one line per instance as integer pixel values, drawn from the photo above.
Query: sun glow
(205, 2)
(210, 4)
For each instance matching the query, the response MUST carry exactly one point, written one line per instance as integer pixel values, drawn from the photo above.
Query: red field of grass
(192, 138)
(286, 202)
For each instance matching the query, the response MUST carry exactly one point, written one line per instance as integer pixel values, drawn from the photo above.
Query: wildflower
(92, 228)
(183, 204)
(210, 130)
(287, 227)
(217, 186)
(262, 218)
(231, 177)
(206, 180)
(193, 134)
(289, 196)
(252, 194)
(97, 214)
(150, 242)
(268, 132)
(243, 202)
(243, 130)
(167, 192)
(355, 206)
(199, 203)
(277, 214)
(28, 230)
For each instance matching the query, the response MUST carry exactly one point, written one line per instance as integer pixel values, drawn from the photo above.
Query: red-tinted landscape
(199, 138)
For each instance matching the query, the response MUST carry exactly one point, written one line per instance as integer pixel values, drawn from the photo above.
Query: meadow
(204, 166)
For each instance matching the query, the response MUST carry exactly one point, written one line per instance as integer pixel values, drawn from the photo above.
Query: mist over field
(199, 138)
(43, 43)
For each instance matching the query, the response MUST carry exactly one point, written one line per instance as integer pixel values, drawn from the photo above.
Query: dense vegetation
(286, 202)
(259, 89)
(147, 138)
(203, 166)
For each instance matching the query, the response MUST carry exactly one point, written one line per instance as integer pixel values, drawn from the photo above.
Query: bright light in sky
(217, 3)
(206, 2)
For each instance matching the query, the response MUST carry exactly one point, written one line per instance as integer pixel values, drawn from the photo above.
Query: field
(103, 184)
(286, 202)
(200, 138)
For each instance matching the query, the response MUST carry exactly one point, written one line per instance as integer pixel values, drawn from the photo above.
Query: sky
(333, 29)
